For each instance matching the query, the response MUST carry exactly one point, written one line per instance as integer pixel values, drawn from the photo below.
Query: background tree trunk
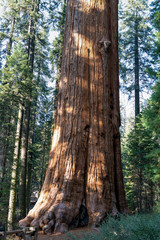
(31, 153)
(4, 153)
(22, 191)
(31, 52)
(12, 197)
(137, 87)
(42, 163)
(84, 175)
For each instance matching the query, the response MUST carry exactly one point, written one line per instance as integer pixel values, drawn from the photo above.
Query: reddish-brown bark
(85, 162)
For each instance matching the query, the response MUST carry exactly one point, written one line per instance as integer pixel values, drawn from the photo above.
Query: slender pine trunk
(29, 181)
(13, 188)
(9, 47)
(140, 190)
(42, 163)
(152, 194)
(22, 192)
(4, 155)
(31, 154)
(31, 51)
(137, 87)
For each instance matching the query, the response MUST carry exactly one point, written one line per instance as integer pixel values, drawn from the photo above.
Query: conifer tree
(7, 25)
(32, 25)
(20, 77)
(136, 48)
(17, 70)
(155, 16)
(140, 149)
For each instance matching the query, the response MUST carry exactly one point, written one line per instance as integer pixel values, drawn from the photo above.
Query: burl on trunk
(84, 178)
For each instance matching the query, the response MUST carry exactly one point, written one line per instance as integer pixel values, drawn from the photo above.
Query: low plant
(135, 227)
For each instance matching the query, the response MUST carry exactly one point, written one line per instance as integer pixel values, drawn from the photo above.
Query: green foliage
(16, 81)
(141, 157)
(157, 208)
(152, 121)
(56, 52)
(42, 136)
(135, 23)
(140, 149)
(136, 227)
(57, 48)
(152, 112)
(155, 16)
(25, 74)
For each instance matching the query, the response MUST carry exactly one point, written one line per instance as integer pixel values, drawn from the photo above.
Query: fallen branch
(23, 232)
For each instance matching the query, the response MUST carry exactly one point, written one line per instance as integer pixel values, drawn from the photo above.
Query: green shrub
(136, 227)
(156, 209)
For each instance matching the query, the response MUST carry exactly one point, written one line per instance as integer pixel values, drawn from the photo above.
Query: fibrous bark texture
(84, 177)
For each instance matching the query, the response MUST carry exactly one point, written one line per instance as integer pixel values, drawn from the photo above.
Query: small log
(11, 232)
(25, 231)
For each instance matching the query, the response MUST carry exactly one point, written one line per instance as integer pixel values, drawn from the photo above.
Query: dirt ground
(77, 233)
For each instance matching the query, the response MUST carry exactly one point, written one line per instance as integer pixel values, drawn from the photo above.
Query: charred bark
(84, 170)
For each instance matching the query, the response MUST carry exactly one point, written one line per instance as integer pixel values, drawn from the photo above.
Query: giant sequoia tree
(84, 170)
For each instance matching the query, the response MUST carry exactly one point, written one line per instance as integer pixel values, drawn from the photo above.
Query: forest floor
(76, 233)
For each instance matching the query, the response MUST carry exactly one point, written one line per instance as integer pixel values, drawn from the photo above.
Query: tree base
(84, 180)
(49, 223)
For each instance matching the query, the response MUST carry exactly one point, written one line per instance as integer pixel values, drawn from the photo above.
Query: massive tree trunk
(84, 175)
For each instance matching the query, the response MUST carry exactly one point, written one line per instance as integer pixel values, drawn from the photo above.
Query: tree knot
(87, 127)
(104, 45)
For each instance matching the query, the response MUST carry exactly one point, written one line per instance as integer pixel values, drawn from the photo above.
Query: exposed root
(60, 219)
(25, 222)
